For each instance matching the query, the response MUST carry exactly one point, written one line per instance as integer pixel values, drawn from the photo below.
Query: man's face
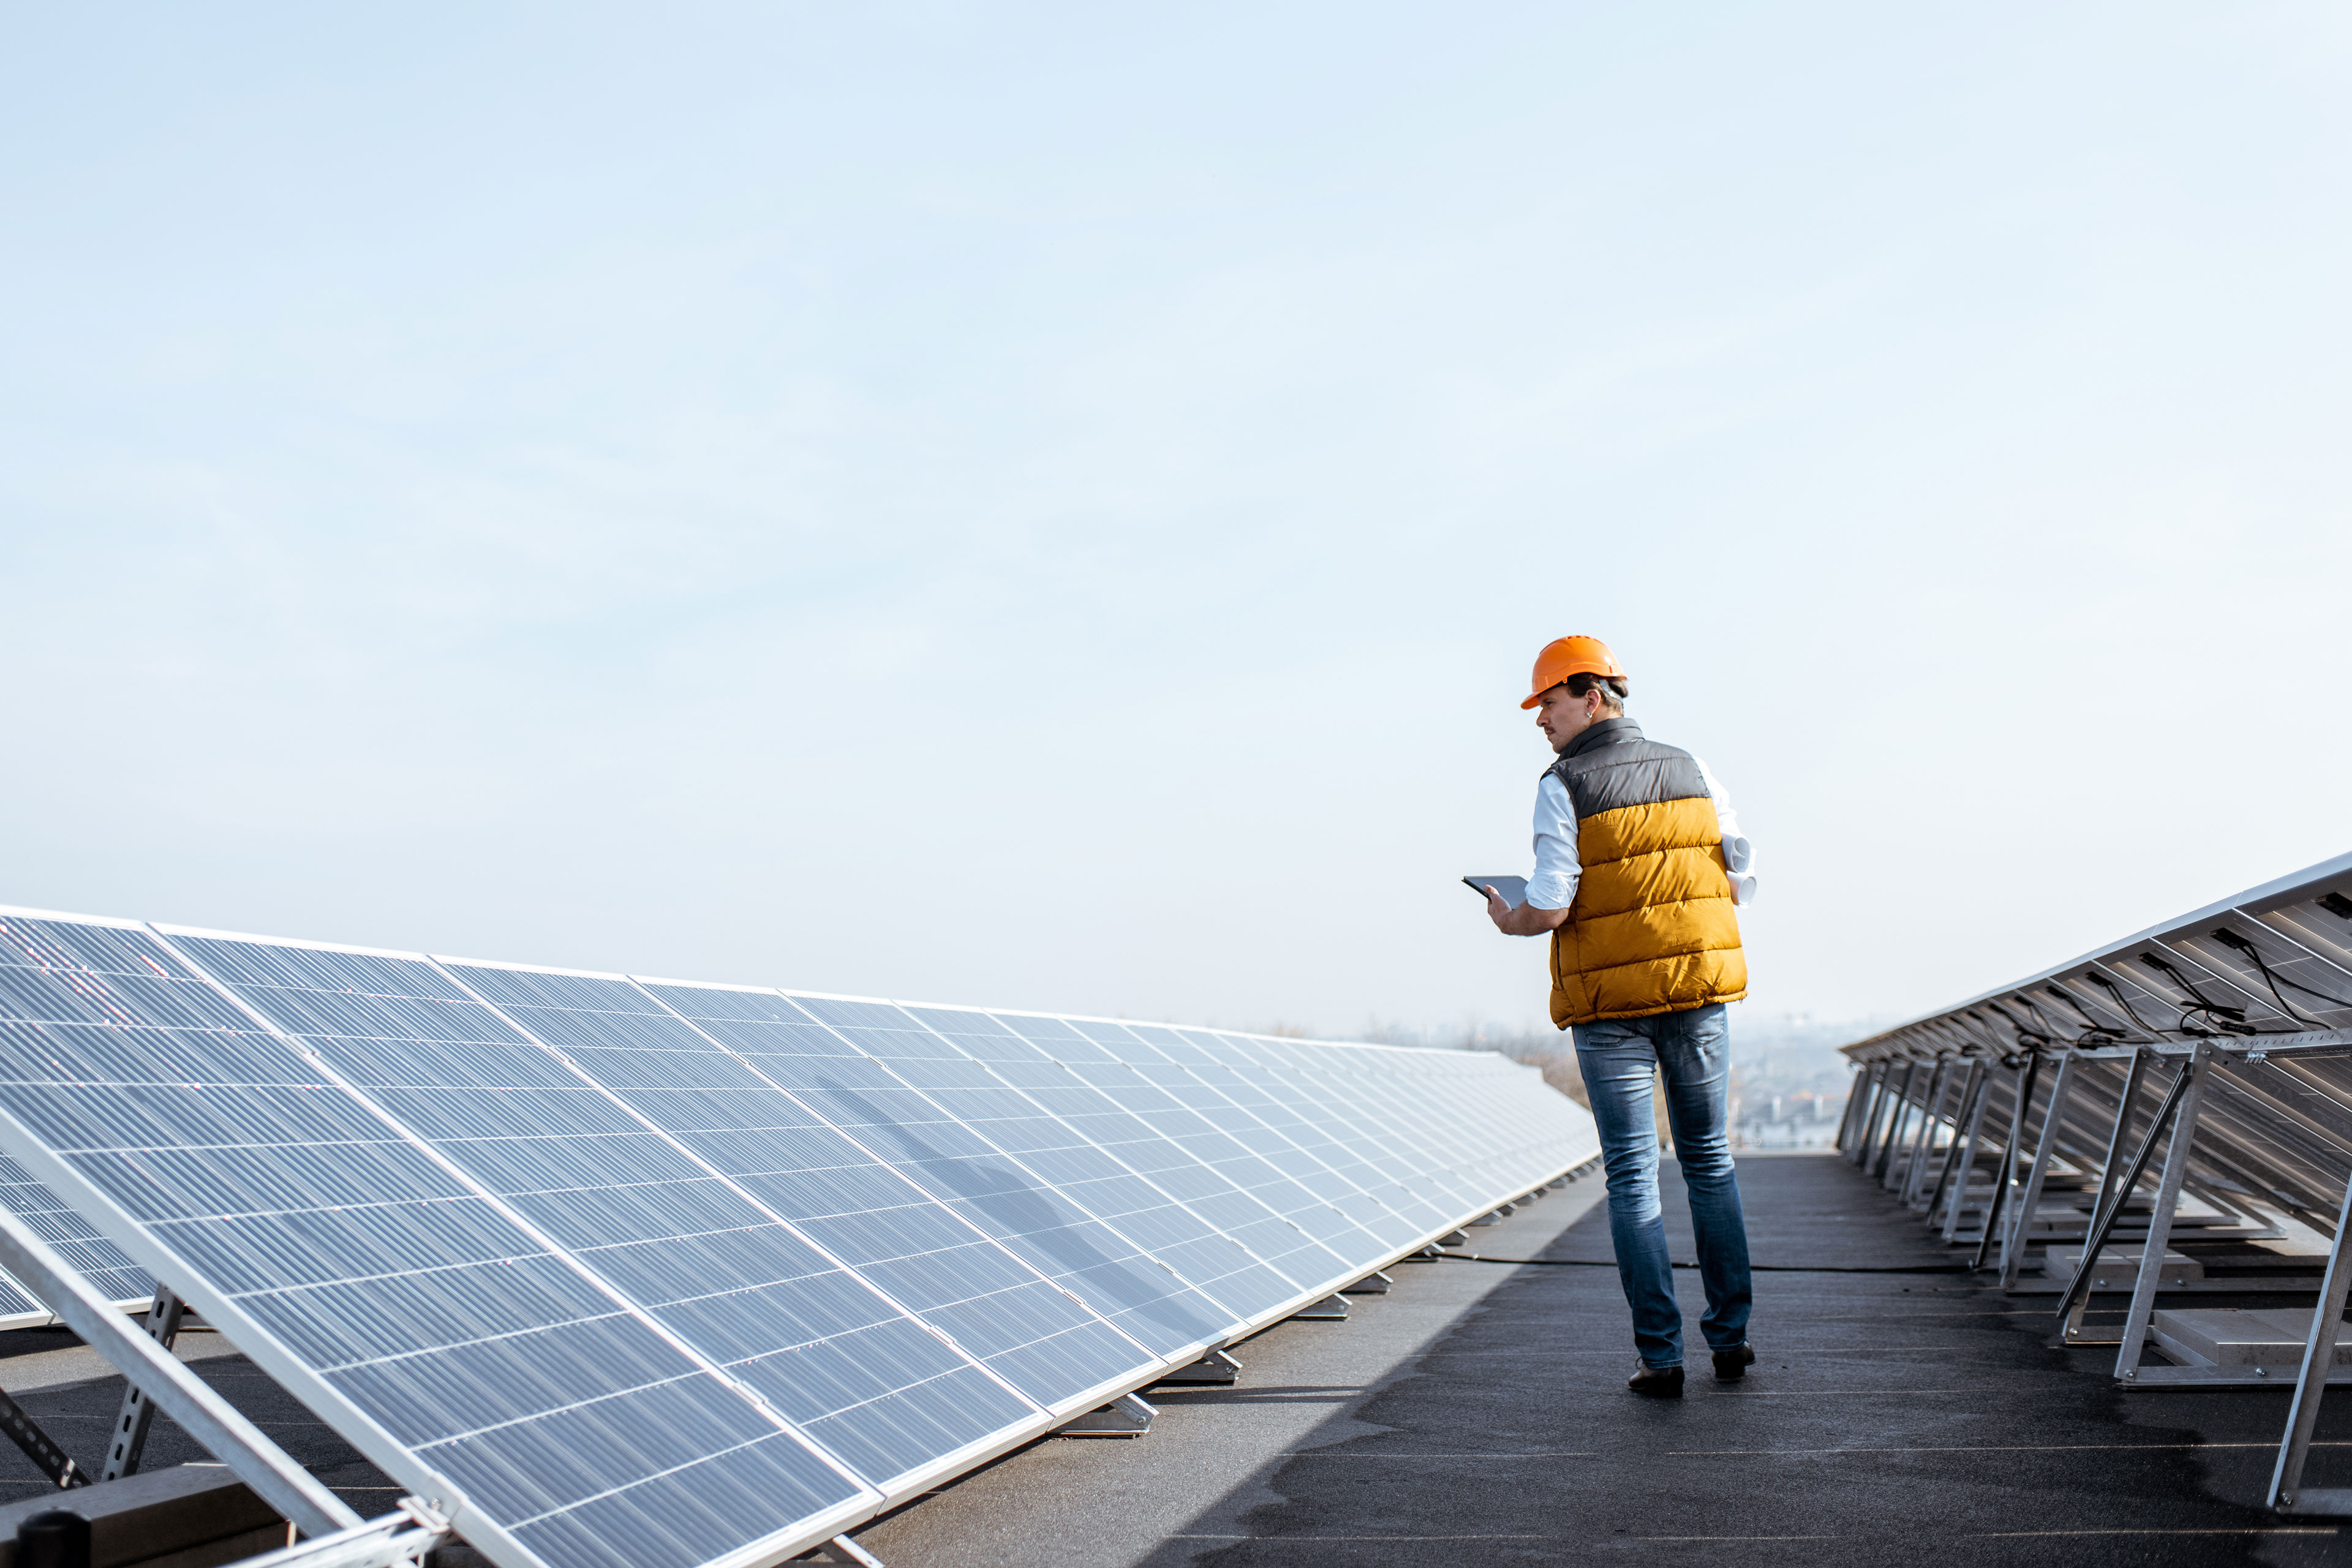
(1563, 718)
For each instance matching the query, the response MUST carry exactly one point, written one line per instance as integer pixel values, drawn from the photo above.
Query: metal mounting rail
(397, 1540)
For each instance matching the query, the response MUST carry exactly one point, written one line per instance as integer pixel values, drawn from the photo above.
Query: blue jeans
(1693, 1049)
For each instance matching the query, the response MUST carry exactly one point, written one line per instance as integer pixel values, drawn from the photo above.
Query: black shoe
(1731, 1366)
(1657, 1381)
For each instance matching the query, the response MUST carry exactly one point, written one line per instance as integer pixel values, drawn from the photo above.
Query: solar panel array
(2264, 977)
(653, 1273)
(2226, 1035)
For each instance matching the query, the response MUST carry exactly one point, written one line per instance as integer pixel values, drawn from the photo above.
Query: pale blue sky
(1054, 507)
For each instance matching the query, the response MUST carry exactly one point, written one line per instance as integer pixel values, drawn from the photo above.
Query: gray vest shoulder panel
(1613, 765)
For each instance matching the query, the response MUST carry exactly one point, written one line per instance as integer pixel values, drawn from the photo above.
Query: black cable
(1753, 1267)
(2226, 1019)
(2229, 938)
(2112, 989)
(2097, 1034)
(2029, 1039)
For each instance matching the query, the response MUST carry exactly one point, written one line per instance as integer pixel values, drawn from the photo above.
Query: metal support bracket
(1126, 1416)
(2288, 1494)
(2029, 1202)
(1373, 1284)
(401, 1540)
(2005, 1181)
(1914, 1168)
(841, 1549)
(138, 1412)
(1330, 1309)
(1216, 1368)
(1860, 1153)
(1958, 1170)
(2159, 1219)
(204, 1415)
(1852, 1107)
(2118, 1193)
(1900, 1110)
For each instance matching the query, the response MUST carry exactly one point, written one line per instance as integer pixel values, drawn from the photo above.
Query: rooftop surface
(1477, 1414)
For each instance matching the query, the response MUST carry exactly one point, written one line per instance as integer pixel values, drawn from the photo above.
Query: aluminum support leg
(1868, 1128)
(1852, 1104)
(2077, 1297)
(2119, 1140)
(1931, 1117)
(2159, 1219)
(1895, 1121)
(2006, 1177)
(1958, 1175)
(2020, 1219)
(2288, 1494)
(1968, 1075)
(1881, 1104)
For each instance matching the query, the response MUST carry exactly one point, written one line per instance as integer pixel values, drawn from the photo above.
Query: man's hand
(1525, 920)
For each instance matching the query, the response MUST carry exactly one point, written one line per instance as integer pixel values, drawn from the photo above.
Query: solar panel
(1271, 1123)
(958, 1325)
(677, 1240)
(935, 1256)
(459, 1350)
(1360, 1126)
(1198, 1122)
(1238, 1250)
(106, 1266)
(659, 1273)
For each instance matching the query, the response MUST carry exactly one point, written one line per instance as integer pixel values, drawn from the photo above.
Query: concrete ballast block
(2119, 1266)
(2270, 1338)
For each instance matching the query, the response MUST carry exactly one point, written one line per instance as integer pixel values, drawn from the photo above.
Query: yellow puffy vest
(1651, 929)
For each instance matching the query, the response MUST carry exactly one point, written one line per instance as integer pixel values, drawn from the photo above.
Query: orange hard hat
(1567, 656)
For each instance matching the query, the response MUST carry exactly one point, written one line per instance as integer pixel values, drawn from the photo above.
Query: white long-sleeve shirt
(1553, 886)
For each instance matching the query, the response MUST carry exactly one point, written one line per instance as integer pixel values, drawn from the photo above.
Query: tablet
(1513, 889)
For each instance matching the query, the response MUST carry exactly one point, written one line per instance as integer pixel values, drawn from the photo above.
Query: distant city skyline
(1055, 509)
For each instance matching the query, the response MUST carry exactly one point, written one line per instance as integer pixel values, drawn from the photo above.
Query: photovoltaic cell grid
(666, 1273)
(27, 963)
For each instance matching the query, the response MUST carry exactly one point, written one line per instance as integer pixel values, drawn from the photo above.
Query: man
(1638, 864)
